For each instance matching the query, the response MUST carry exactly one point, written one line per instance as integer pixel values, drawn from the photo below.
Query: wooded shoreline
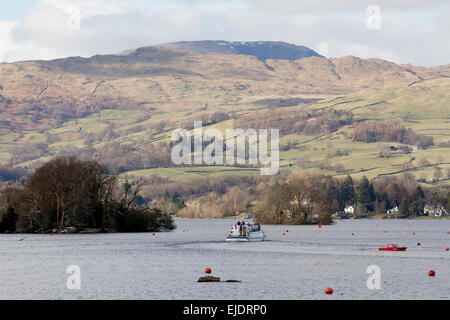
(66, 195)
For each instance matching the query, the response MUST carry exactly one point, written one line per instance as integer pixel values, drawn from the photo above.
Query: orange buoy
(329, 290)
(418, 243)
(446, 249)
(431, 273)
(377, 225)
(385, 231)
(208, 270)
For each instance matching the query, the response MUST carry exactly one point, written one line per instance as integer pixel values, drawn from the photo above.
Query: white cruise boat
(245, 231)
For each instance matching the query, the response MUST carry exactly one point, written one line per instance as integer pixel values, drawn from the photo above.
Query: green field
(172, 102)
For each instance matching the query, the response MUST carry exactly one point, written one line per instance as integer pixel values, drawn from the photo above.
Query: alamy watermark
(73, 21)
(373, 21)
(74, 280)
(374, 281)
(241, 146)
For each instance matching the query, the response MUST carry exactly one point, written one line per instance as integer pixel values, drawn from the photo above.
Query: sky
(402, 31)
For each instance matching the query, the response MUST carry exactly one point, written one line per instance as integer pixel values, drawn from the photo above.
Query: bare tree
(130, 192)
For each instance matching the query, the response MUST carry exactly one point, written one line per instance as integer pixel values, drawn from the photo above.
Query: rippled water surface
(298, 265)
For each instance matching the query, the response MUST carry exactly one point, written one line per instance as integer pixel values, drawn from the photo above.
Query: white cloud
(303, 6)
(11, 50)
(113, 26)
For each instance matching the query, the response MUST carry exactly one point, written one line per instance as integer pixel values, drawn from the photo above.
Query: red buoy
(414, 233)
(287, 230)
(431, 273)
(385, 231)
(208, 270)
(154, 234)
(320, 226)
(446, 249)
(353, 234)
(284, 234)
(329, 290)
(418, 243)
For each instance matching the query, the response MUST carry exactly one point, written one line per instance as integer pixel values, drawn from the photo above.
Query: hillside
(122, 108)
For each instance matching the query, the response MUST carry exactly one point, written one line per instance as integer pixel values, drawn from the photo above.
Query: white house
(440, 212)
(392, 211)
(349, 209)
(431, 211)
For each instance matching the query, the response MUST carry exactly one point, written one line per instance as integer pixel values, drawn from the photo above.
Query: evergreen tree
(347, 193)
(419, 194)
(416, 207)
(418, 203)
(366, 194)
(8, 222)
(405, 206)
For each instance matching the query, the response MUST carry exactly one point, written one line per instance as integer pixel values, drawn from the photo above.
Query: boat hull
(392, 249)
(237, 239)
(253, 236)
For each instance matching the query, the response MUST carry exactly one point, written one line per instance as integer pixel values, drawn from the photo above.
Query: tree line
(12, 174)
(67, 194)
(316, 198)
(313, 122)
(373, 131)
(294, 198)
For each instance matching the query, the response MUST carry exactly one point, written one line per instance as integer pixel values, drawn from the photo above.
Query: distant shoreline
(364, 218)
(409, 218)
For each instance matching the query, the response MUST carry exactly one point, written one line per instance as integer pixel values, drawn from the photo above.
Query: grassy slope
(423, 106)
(403, 104)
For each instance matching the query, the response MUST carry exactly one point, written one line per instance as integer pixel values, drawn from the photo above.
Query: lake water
(298, 265)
